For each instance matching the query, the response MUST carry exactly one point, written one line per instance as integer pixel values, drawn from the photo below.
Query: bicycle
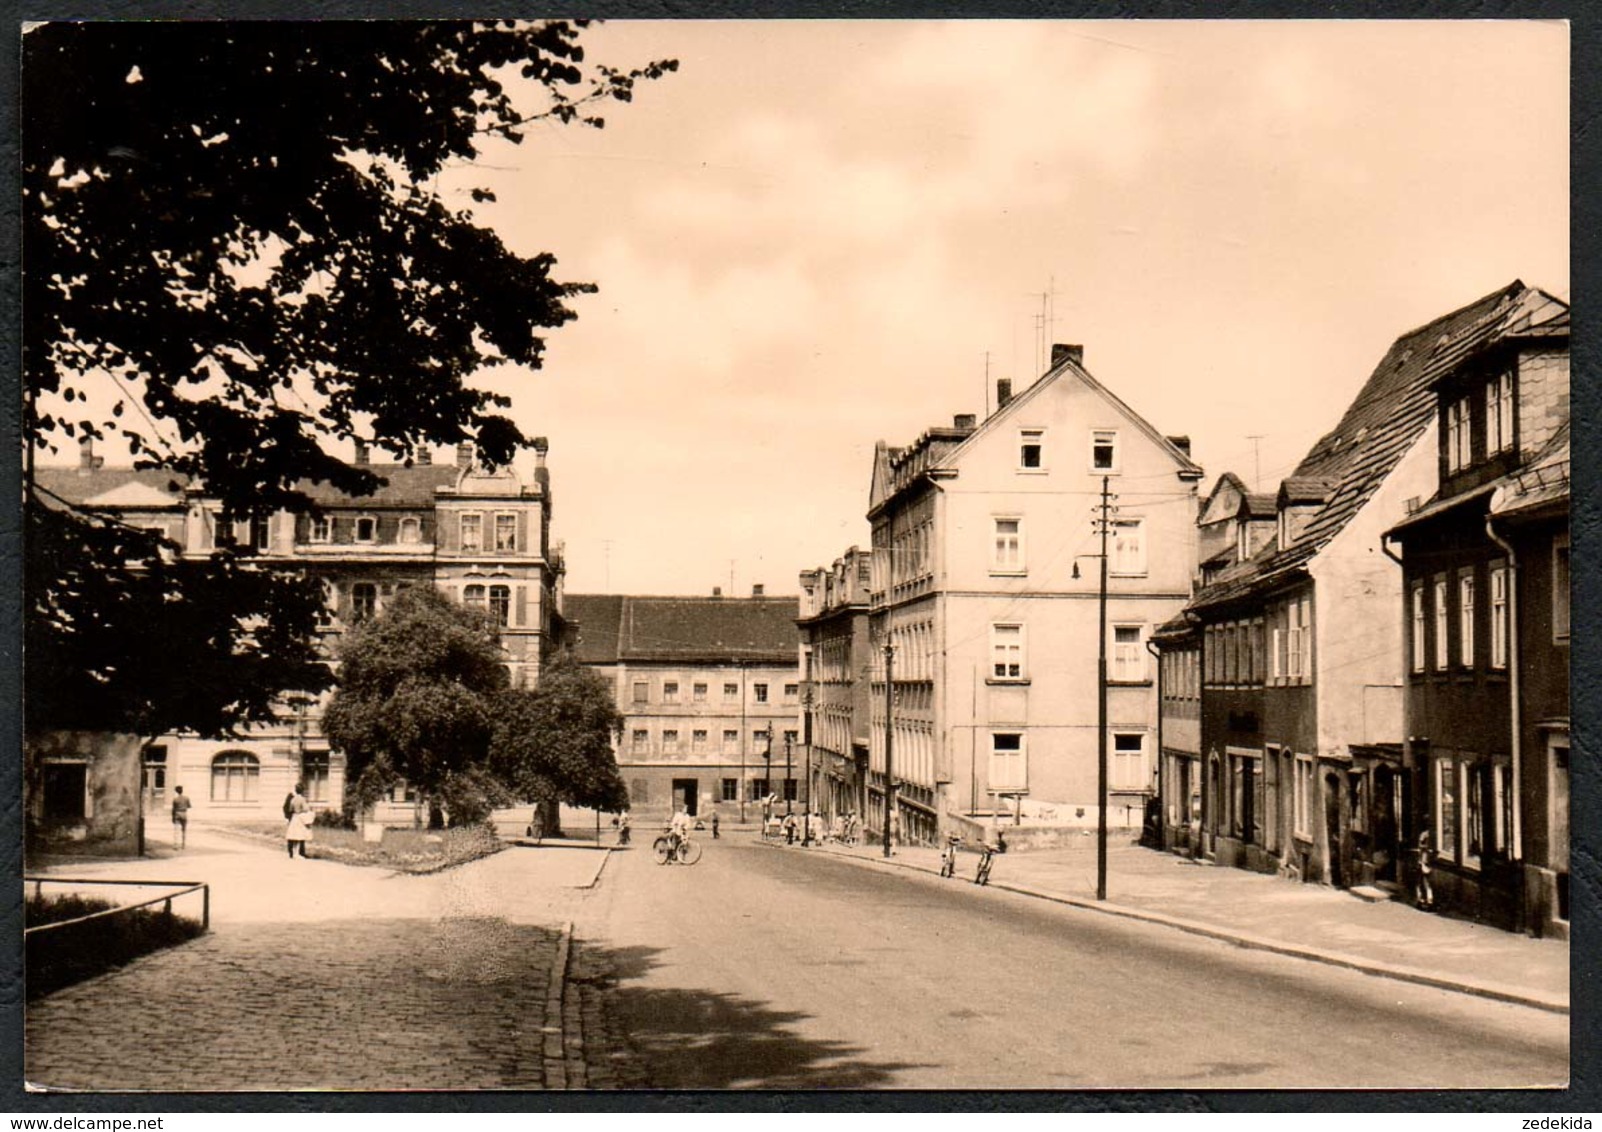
(687, 853)
(987, 854)
(948, 857)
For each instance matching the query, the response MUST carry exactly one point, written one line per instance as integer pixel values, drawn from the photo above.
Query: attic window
(1031, 442)
(1104, 450)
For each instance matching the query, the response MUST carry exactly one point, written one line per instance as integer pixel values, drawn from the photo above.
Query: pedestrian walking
(180, 817)
(715, 833)
(298, 813)
(789, 829)
(1424, 898)
(536, 825)
(623, 828)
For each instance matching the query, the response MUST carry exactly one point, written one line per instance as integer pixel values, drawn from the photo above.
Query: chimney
(1064, 353)
(1003, 391)
(464, 454)
(965, 420)
(87, 460)
(425, 456)
(363, 453)
(1181, 442)
(717, 591)
(757, 590)
(541, 447)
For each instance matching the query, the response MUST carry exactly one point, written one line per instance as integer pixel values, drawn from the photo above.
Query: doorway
(686, 794)
(1335, 835)
(64, 789)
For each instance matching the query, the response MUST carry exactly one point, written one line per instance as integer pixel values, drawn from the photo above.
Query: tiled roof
(1545, 479)
(1302, 489)
(1385, 419)
(413, 487)
(1259, 505)
(614, 627)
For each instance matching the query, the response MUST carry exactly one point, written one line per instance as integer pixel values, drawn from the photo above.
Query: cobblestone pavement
(440, 994)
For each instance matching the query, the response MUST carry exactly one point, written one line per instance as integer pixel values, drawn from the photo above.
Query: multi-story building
(986, 583)
(836, 660)
(710, 692)
(1302, 652)
(482, 536)
(1485, 584)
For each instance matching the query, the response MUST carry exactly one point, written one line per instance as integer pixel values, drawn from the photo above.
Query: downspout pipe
(1411, 831)
(1162, 811)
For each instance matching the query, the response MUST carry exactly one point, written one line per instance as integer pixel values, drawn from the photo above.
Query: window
(1304, 798)
(1279, 654)
(234, 776)
(792, 692)
(322, 529)
(474, 597)
(1465, 618)
(1560, 589)
(641, 740)
(1104, 450)
(1293, 641)
(261, 532)
(1501, 808)
(1457, 435)
(500, 604)
(314, 774)
(731, 742)
(759, 788)
(759, 692)
(698, 693)
(1470, 790)
(366, 528)
(1442, 621)
(1445, 809)
(1006, 652)
(1498, 616)
(1417, 599)
(698, 741)
(506, 532)
(731, 693)
(155, 772)
(670, 741)
(762, 741)
(1499, 414)
(791, 738)
(1257, 667)
(1031, 442)
(1128, 770)
(642, 691)
(1129, 658)
(1007, 554)
(670, 691)
(472, 527)
(1009, 769)
(222, 531)
(411, 530)
(363, 601)
(1128, 547)
(731, 789)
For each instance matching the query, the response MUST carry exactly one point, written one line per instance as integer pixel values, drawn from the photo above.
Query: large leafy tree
(236, 252)
(555, 744)
(419, 691)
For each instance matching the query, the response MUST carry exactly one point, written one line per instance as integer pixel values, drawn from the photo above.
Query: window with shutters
(472, 531)
(500, 604)
(505, 533)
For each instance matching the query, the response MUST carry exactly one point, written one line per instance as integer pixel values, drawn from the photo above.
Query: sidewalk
(1308, 921)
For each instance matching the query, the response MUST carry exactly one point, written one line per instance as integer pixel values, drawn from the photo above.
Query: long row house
(1372, 676)
(482, 536)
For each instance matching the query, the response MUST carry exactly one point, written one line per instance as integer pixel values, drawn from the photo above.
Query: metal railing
(182, 888)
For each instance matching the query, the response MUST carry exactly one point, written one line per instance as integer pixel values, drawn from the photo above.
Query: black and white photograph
(795, 555)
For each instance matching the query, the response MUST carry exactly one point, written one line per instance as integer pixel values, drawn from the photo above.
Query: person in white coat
(298, 832)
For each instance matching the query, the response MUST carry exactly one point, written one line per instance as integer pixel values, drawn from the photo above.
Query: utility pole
(788, 789)
(742, 789)
(806, 733)
(1105, 522)
(889, 765)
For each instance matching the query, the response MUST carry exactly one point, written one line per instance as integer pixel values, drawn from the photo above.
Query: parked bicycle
(948, 856)
(688, 851)
(987, 854)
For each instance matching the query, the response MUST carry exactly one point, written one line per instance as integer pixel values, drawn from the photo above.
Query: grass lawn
(404, 850)
(71, 954)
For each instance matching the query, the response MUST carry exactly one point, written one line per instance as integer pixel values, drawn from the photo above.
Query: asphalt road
(777, 968)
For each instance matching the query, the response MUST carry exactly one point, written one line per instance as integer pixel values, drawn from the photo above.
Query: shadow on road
(693, 1038)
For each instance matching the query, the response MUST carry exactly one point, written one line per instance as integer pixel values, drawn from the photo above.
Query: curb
(1257, 943)
(553, 1050)
(606, 855)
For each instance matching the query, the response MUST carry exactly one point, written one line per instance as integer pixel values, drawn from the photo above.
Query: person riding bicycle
(678, 829)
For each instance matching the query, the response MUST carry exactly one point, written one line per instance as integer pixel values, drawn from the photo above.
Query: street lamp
(767, 758)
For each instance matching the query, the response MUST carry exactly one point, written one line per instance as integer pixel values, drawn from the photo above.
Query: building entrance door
(64, 787)
(686, 794)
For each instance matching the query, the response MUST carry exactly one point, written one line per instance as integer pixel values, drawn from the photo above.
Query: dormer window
(1031, 445)
(366, 528)
(411, 530)
(1459, 453)
(1499, 414)
(1104, 450)
(322, 529)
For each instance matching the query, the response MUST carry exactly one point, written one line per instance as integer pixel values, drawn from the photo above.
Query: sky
(816, 235)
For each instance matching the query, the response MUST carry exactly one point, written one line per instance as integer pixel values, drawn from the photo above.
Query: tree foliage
(555, 744)
(235, 229)
(418, 694)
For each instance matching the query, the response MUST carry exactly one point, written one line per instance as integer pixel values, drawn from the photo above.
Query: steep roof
(1543, 481)
(79, 486)
(686, 630)
(413, 486)
(102, 486)
(1385, 419)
